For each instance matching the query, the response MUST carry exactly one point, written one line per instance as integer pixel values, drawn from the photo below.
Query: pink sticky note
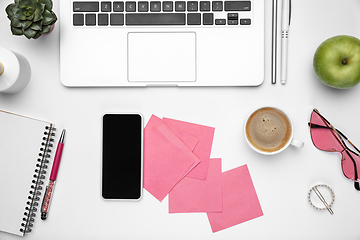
(195, 195)
(202, 150)
(174, 139)
(165, 164)
(240, 201)
(180, 138)
(189, 140)
(153, 122)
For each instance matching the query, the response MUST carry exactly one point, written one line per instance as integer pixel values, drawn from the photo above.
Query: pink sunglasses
(327, 138)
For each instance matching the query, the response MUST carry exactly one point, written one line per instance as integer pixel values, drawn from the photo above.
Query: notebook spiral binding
(35, 192)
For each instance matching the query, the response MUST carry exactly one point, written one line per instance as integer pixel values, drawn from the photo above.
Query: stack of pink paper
(177, 162)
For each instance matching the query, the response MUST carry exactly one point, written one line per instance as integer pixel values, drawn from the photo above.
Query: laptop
(161, 43)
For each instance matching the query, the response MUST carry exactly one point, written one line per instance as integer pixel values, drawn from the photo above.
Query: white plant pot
(15, 71)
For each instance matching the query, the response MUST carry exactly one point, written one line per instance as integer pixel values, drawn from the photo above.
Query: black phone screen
(122, 156)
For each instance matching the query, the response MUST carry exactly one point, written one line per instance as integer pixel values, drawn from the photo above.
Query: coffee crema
(268, 129)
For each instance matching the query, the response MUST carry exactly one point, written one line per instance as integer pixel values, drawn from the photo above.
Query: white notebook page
(20, 143)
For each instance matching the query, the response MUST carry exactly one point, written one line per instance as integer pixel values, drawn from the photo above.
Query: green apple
(337, 61)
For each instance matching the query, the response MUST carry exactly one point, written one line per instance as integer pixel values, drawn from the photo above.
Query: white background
(282, 182)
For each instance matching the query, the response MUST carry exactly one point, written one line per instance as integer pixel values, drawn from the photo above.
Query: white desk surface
(282, 182)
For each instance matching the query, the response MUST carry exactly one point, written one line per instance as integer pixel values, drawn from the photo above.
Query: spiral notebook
(24, 152)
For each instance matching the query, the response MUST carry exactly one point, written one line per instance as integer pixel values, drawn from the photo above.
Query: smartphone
(122, 156)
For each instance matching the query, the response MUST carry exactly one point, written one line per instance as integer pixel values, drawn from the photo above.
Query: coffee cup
(269, 130)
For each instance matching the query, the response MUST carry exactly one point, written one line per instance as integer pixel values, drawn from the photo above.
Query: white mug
(290, 141)
(15, 71)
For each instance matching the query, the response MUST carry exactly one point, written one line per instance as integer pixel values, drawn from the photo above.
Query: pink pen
(45, 207)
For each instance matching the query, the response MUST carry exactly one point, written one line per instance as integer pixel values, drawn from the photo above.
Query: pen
(274, 42)
(45, 207)
(286, 16)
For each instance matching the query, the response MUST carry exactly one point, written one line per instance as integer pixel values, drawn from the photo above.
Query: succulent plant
(31, 18)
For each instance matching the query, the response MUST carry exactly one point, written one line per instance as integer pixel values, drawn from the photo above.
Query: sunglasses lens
(323, 136)
(348, 164)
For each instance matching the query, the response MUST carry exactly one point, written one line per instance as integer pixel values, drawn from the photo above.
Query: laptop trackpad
(162, 57)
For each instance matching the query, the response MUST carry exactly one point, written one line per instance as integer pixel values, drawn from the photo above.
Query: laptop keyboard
(162, 13)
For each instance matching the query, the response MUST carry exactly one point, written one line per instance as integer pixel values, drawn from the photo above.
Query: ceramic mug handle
(297, 143)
